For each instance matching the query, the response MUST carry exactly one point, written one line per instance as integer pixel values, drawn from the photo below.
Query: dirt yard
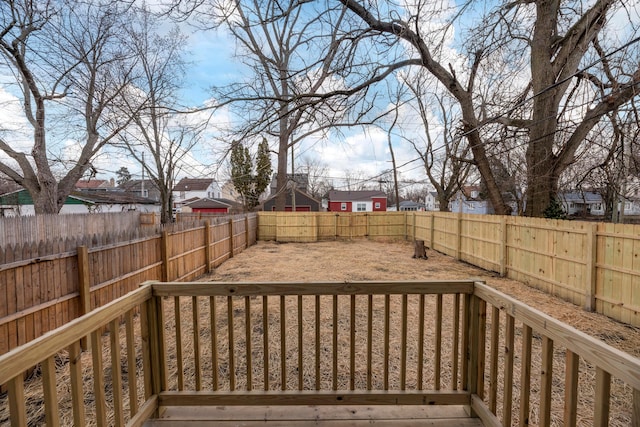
(368, 260)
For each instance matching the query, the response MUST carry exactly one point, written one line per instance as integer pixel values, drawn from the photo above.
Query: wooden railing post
(635, 416)
(207, 245)
(164, 248)
(591, 260)
(84, 287)
(154, 326)
(475, 364)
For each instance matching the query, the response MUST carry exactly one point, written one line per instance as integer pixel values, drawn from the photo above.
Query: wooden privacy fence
(46, 228)
(420, 343)
(46, 286)
(594, 265)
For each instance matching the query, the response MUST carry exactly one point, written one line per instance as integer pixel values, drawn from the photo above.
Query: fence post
(84, 287)
(413, 232)
(432, 231)
(503, 246)
(459, 236)
(246, 231)
(164, 249)
(231, 246)
(591, 259)
(207, 245)
(367, 225)
(405, 219)
(472, 344)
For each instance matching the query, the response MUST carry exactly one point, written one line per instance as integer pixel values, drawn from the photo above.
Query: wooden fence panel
(594, 266)
(267, 225)
(34, 229)
(480, 241)
(327, 225)
(40, 283)
(296, 227)
(618, 272)
(388, 225)
(444, 235)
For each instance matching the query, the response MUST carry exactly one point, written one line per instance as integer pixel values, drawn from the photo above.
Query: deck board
(330, 416)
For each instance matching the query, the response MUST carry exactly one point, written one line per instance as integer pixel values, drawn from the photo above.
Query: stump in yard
(419, 250)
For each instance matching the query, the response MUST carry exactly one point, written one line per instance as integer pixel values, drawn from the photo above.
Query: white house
(19, 203)
(189, 189)
(431, 202)
(581, 202)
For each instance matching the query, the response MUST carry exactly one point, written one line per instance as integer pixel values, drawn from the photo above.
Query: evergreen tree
(123, 175)
(249, 184)
(555, 210)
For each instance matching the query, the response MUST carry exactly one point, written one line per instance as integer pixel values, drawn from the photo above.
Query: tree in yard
(160, 129)
(442, 150)
(68, 62)
(123, 175)
(550, 69)
(317, 173)
(284, 47)
(249, 180)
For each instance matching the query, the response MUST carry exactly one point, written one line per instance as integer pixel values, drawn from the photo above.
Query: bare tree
(317, 172)
(69, 63)
(575, 77)
(445, 157)
(159, 129)
(295, 53)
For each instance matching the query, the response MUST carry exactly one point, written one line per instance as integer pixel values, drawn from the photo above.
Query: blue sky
(364, 152)
(361, 152)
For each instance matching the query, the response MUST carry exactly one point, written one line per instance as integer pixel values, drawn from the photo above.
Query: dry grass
(367, 260)
(352, 261)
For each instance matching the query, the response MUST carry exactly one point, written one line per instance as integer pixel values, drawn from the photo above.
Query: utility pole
(293, 183)
(142, 183)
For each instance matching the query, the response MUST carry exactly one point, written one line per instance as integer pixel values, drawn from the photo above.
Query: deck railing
(373, 343)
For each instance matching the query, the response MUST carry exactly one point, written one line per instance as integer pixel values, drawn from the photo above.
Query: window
(361, 207)
(377, 205)
(343, 206)
(182, 194)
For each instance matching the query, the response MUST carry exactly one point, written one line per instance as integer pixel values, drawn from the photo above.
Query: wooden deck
(322, 354)
(330, 416)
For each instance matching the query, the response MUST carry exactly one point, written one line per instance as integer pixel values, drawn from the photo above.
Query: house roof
(193, 184)
(580, 197)
(301, 180)
(112, 197)
(93, 183)
(207, 203)
(302, 199)
(22, 197)
(136, 185)
(409, 204)
(351, 196)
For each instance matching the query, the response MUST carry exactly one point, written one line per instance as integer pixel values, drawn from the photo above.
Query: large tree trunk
(281, 177)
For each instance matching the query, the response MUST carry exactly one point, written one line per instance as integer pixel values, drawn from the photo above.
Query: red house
(217, 206)
(357, 201)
